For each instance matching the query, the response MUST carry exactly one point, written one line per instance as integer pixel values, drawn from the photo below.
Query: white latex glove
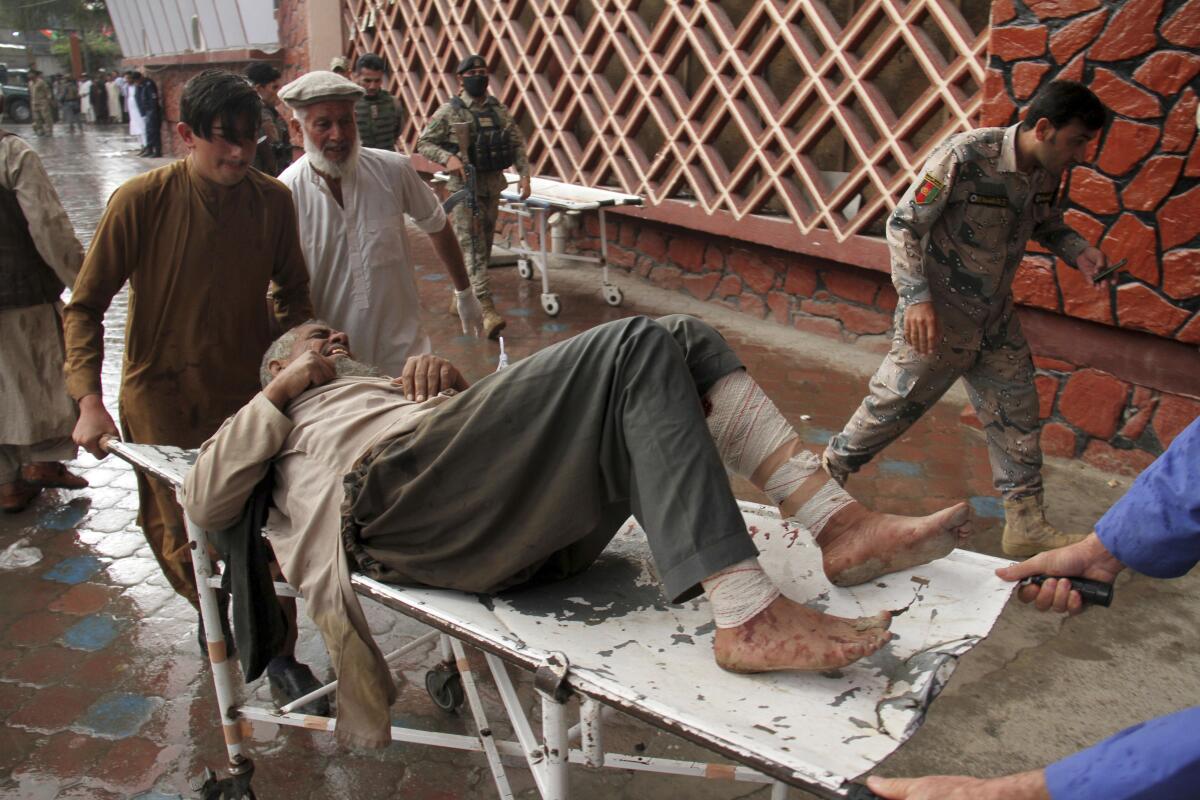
(469, 311)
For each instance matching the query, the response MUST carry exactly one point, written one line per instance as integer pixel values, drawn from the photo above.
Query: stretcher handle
(106, 440)
(1093, 593)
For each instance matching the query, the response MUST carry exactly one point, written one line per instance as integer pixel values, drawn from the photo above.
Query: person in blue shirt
(1154, 529)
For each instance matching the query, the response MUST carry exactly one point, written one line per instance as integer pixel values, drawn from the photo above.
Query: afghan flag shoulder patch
(928, 191)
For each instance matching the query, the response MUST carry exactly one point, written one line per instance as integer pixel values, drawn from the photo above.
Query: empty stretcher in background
(547, 199)
(609, 640)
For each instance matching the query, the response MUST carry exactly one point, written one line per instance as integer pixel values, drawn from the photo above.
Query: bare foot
(858, 545)
(788, 636)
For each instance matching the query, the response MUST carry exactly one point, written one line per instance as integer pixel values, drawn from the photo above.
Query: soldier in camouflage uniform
(41, 100)
(487, 117)
(377, 113)
(956, 240)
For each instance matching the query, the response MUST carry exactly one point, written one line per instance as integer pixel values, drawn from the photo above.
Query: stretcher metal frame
(548, 200)
(547, 756)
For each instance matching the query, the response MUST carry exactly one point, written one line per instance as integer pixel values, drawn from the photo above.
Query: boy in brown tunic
(200, 241)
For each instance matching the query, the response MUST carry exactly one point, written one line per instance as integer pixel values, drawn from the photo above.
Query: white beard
(327, 167)
(347, 367)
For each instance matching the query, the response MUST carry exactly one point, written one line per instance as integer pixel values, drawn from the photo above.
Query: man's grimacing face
(321, 339)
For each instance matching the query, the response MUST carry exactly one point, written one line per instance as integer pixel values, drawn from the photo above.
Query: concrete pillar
(326, 38)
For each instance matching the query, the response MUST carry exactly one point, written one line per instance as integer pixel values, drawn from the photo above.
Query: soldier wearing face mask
(496, 145)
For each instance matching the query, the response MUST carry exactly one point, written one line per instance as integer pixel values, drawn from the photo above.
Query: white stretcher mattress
(627, 646)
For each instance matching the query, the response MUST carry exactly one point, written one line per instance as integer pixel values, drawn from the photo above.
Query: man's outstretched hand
(309, 369)
(1022, 786)
(1086, 559)
(429, 375)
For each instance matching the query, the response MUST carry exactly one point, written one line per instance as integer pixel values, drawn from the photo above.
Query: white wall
(163, 27)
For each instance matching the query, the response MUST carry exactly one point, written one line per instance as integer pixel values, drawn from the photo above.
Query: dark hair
(260, 73)
(217, 95)
(1062, 101)
(132, 73)
(370, 61)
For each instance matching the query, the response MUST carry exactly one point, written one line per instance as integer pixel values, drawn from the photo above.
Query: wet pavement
(104, 694)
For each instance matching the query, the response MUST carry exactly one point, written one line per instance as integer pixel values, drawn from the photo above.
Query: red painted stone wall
(1138, 199)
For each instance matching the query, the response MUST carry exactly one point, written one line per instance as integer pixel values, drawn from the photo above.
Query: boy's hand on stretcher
(429, 375)
(94, 424)
(309, 369)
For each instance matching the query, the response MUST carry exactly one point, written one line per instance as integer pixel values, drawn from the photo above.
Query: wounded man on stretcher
(527, 475)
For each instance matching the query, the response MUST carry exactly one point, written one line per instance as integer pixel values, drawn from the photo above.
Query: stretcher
(607, 639)
(548, 200)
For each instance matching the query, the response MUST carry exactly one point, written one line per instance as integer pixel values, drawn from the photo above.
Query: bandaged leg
(760, 630)
(857, 545)
(754, 438)
(739, 593)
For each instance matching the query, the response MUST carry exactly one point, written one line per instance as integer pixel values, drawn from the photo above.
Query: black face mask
(476, 85)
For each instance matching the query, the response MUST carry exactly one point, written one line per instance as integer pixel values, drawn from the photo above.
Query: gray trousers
(527, 475)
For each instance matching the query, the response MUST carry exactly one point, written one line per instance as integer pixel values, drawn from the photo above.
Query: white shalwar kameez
(359, 262)
(137, 125)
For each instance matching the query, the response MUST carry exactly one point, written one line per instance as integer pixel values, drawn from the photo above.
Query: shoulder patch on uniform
(928, 191)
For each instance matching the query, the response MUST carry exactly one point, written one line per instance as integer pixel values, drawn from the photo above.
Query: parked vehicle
(15, 84)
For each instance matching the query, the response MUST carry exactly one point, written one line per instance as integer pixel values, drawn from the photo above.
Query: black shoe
(294, 680)
(226, 628)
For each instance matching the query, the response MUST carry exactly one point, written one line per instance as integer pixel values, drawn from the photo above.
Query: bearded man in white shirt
(351, 203)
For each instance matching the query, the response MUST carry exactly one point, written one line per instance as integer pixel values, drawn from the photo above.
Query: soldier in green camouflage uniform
(483, 113)
(376, 113)
(41, 100)
(956, 240)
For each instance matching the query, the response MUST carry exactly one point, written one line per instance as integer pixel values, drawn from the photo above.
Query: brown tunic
(199, 258)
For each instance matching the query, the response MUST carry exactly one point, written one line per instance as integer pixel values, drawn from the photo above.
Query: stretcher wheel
(550, 304)
(524, 269)
(445, 688)
(612, 295)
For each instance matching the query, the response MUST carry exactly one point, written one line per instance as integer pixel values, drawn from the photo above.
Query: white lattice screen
(795, 124)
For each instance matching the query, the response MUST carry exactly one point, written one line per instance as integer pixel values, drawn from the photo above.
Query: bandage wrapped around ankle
(738, 593)
(820, 508)
(744, 423)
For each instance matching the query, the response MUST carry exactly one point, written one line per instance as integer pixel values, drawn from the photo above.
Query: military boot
(1026, 532)
(493, 323)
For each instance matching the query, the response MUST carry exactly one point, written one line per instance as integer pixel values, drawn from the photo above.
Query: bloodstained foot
(788, 636)
(859, 545)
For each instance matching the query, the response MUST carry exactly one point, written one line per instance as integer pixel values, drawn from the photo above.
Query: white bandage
(816, 513)
(744, 423)
(791, 474)
(738, 593)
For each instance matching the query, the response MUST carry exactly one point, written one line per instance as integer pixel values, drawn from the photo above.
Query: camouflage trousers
(43, 119)
(477, 248)
(999, 380)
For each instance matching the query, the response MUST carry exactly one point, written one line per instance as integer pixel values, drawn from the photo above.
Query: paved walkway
(103, 693)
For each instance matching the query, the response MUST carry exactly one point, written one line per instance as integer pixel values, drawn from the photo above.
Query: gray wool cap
(318, 87)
